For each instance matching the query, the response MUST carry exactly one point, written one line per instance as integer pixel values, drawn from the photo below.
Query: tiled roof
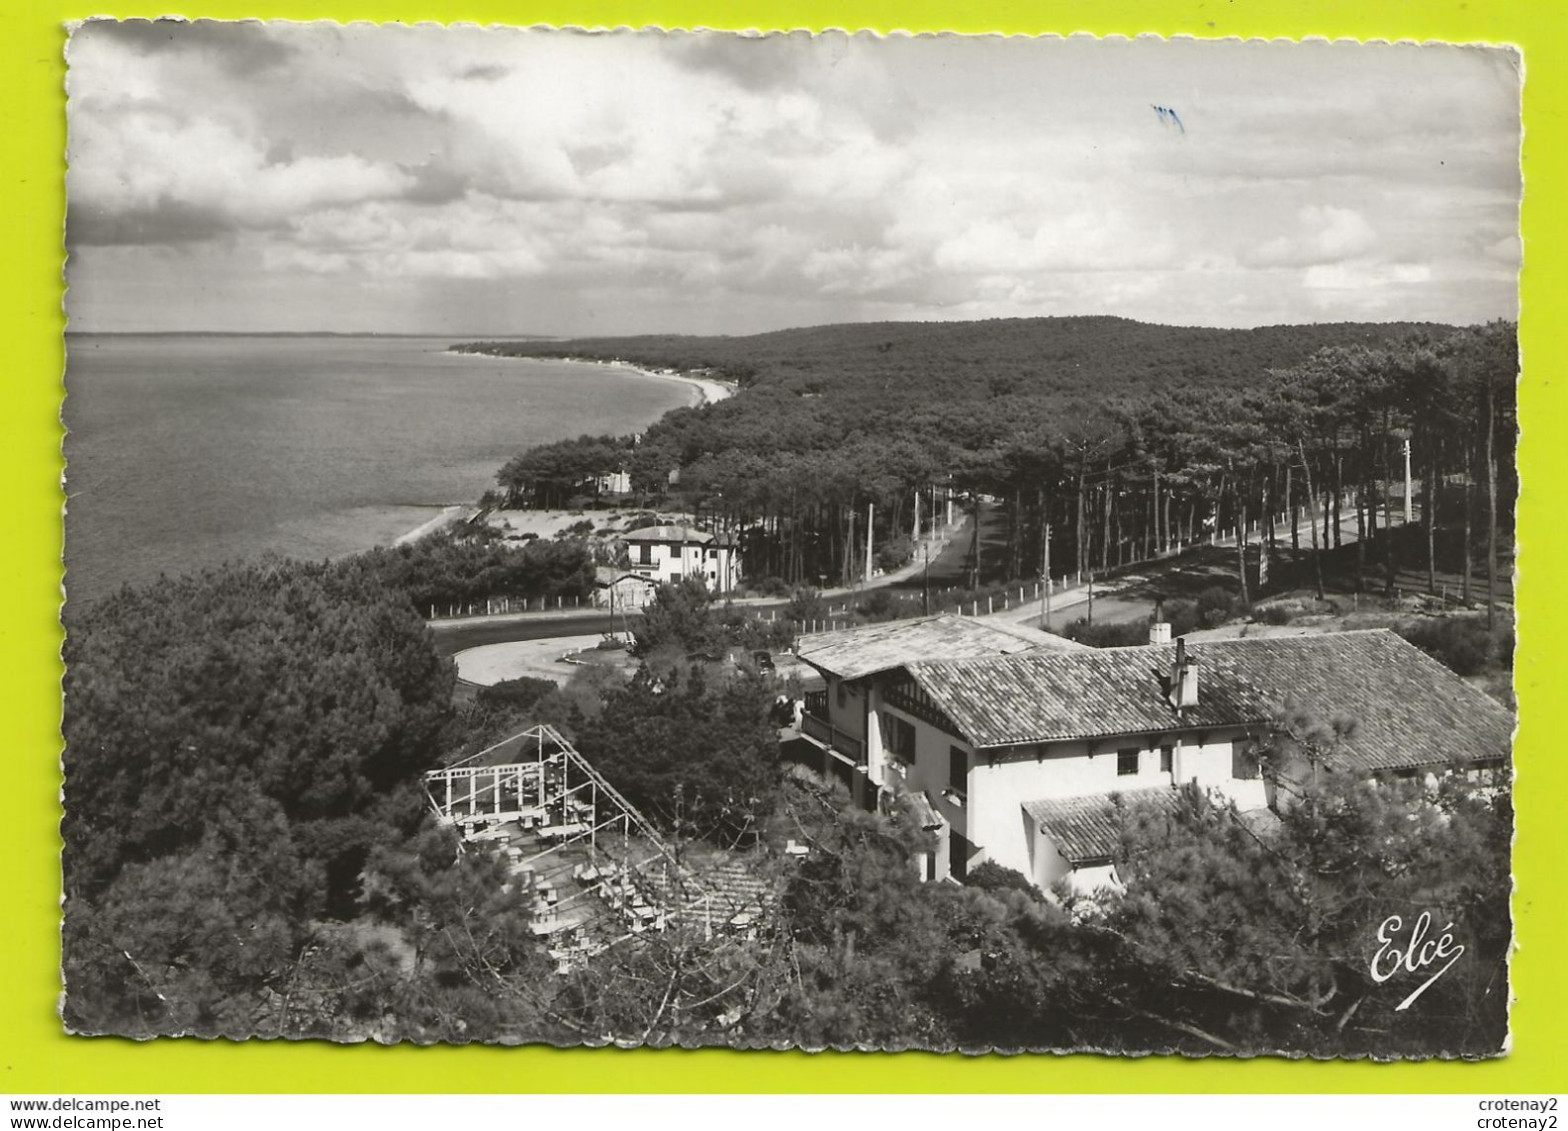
(667, 534)
(1410, 710)
(1051, 696)
(855, 652)
(1086, 830)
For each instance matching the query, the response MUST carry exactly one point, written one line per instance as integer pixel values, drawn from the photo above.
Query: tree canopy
(1123, 438)
(1261, 936)
(698, 758)
(236, 743)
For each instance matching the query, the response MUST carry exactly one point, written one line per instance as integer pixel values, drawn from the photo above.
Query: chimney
(1159, 629)
(1184, 678)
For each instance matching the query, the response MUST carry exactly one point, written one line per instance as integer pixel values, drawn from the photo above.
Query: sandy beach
(515, 524)
(547, 523)
(447, 517)
(705, 390)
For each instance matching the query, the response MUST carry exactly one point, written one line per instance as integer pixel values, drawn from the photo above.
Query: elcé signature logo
(1418, 954)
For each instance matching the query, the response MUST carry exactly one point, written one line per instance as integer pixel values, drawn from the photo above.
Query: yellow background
(36, 1057)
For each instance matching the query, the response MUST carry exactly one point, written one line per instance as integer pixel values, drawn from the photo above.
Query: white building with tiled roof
(1024, 748)
(669, 553)
(847, 721)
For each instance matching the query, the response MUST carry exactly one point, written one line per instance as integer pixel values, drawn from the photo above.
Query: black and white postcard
(773, 541)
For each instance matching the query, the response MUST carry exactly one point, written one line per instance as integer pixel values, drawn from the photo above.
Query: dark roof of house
(1086, 830)
(1054, 696)
(855, 652)
(1410, 710)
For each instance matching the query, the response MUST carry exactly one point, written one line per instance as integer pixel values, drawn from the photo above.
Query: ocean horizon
(186, 450)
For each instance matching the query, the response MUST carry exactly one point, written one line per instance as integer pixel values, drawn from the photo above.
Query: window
(1167, 759)
(957, 769)
(1243, 762)
(1127, 761)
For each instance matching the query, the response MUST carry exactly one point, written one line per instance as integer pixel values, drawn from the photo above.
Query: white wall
(1049, 866)
(1091, 878)
(847, 706)
(992, 817)
(929, 775)
(714, 564)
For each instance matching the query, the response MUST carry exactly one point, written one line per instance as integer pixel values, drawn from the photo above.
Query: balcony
(846, 745)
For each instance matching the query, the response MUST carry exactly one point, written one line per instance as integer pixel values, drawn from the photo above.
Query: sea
(186, 451)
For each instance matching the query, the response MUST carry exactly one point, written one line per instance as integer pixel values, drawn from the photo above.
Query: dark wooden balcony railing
(829, 735)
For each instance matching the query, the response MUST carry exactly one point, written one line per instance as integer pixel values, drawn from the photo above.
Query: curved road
(454, 636)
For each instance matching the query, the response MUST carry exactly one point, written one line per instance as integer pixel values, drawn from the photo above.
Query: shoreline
(449, 516)
(706, 390)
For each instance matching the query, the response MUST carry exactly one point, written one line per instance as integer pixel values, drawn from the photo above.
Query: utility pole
(1407, 480)
(974, 546)
(870, 514)
(925, 594)
(1265, 539)
(1091, 595)
(1045, 582)
(1158, 547)
(1312, 517)
(849, 552)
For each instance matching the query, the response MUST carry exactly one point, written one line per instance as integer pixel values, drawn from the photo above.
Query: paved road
(537, 659)
(454, 636)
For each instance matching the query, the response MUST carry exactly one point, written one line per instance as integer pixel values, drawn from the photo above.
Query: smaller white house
(620, 590)
(615, 483)
(667, 554)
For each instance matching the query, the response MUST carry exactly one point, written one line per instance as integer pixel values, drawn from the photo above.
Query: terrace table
(560, 832)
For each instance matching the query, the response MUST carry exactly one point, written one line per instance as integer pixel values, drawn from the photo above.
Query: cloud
(635, 177)
(1324, 234)
(164, 221)
(242, 48)
(150, 171)
(751, 63)
(1363, 276)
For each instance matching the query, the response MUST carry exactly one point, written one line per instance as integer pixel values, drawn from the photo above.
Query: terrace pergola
(598, 871)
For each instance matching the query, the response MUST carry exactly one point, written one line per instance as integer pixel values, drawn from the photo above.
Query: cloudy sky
(466, 181)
